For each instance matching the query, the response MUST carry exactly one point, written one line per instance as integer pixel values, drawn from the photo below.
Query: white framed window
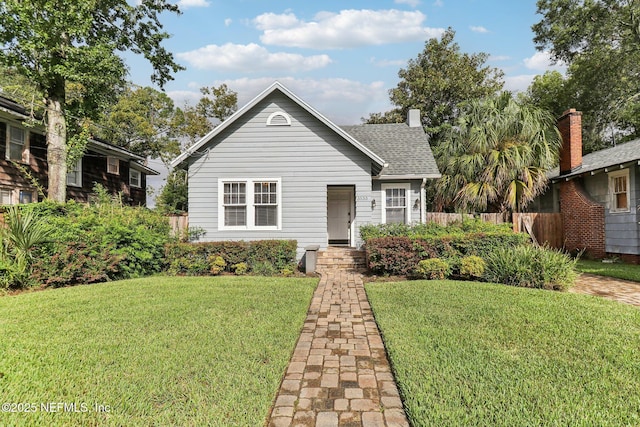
(395, 203)
(6, 196)
(619, 191)
(135, 178)
(249, 204)
(17, 144)
(113, 165)
(74, 176)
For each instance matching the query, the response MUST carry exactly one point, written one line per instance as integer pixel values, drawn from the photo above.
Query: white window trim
(612, 196)
(25, 146)
(79, 170)
(250, 204)
(131, 170)
(11, 196)
(117, 172)
(383, 197)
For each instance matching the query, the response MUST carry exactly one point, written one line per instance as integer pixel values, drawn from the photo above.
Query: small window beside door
(395, 208)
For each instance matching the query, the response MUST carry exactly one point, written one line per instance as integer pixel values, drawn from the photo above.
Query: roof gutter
(412, 176)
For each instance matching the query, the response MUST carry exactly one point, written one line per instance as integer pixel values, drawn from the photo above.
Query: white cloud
(185, 4)
(228, 22)
(542, 61)
(478, 29)
(518, 83)
(412, 3)
(438, 3)
(388, 62)
(499, 58)
(349, 28)
(342, 101)
(250, 58)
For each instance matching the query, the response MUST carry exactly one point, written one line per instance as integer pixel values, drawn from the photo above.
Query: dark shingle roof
(620, 154)
(405, 149)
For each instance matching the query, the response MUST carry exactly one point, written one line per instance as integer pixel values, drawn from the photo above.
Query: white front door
(339, 214)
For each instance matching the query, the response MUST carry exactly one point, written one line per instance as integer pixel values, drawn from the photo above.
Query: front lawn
(154, 351)
(470, 353)
(617, 270)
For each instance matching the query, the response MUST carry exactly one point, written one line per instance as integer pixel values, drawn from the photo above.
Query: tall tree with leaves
(496, 156)
(600, 43)
(192, 123)
(66, 46)
(438, 80)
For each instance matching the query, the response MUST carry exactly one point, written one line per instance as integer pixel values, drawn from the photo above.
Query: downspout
(423, 201)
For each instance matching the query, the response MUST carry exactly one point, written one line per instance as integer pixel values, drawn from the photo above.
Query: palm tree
(496, 155)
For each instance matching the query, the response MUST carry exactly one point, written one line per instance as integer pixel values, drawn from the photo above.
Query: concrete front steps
(336, 257)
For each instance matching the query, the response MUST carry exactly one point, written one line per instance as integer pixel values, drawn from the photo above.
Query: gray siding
(307, 156)
(621, 228)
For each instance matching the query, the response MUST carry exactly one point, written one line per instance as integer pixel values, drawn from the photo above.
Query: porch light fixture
(373, 204)
(416, 205)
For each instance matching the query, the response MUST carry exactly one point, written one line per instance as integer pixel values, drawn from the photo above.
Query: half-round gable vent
(279, 119)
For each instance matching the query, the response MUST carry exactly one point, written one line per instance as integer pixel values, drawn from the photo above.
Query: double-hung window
(250, 204)
(17, 144)
(113, 165)
(396, 207)
(74, 176)
(619, 189)
(135, 178)
(265, 199)
(235, 204)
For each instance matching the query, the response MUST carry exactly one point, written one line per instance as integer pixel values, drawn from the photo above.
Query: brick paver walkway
(339, 374)
(616, 289)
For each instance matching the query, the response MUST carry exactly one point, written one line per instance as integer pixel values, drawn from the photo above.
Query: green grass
(483, 354)
(617, 270)
(157, 351)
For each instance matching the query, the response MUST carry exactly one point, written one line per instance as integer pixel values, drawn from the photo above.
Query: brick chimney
(570, 127)
(413, 118)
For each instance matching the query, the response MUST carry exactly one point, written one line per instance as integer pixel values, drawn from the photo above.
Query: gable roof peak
(276, 85)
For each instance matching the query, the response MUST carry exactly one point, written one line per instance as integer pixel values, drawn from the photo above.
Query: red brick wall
(583, 220)
(628, 258)
(570, 127)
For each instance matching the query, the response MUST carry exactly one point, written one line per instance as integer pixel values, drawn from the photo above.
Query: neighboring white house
(278, 169)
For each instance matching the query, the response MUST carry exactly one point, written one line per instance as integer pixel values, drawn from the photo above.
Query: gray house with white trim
(278, 169)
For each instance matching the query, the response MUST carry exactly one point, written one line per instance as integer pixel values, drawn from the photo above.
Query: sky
(341, 57)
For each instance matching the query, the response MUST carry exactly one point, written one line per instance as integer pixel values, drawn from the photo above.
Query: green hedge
(98, 242)
(261, 256)
(400, 255)
(431, 229)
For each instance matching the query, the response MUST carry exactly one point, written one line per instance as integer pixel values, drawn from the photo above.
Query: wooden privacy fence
(444, 218)
(179, 224)
(546, 227)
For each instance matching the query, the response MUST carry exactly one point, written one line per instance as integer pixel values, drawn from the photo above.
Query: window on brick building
(619, 190)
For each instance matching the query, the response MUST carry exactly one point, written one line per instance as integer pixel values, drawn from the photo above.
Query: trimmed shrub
(217, 265)
(433, 269)
(531, 267)
(431, 229)
(279, 253)
(392, 255)
(264, 257)
(472, 267)
(240, 268)
(399, 255)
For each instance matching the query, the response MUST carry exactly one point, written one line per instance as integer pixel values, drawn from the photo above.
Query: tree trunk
(56, 150)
